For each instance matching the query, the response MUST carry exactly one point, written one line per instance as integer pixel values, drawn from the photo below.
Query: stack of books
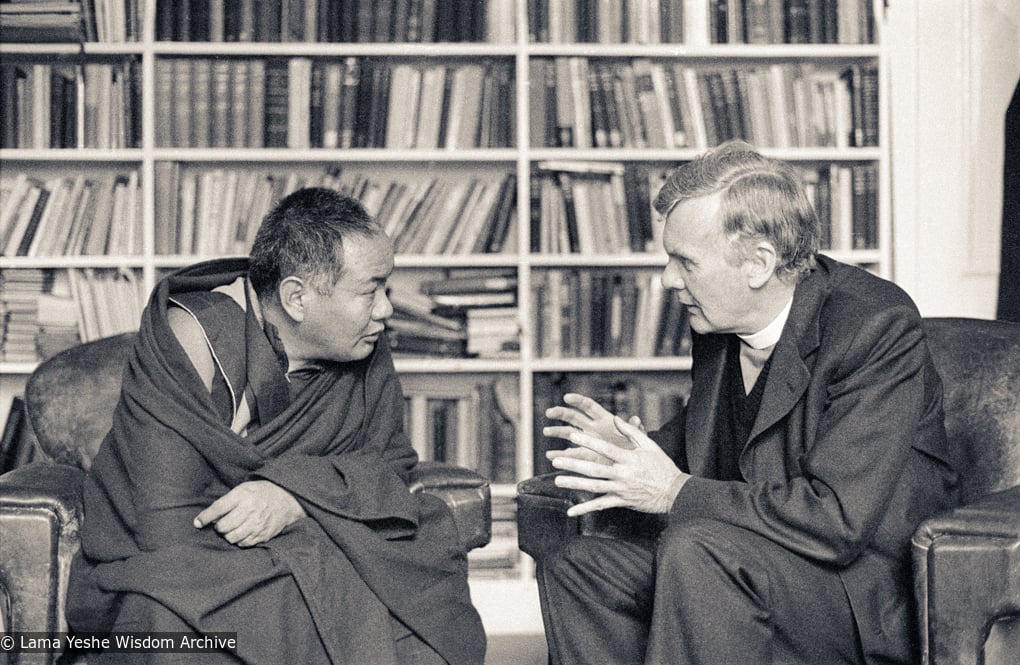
(58, 327)
(414, 328)
(19, 311)
(502, 555)
(41, 22)
(468, 313)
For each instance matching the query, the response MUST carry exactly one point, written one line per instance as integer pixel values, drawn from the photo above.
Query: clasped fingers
(584, 466)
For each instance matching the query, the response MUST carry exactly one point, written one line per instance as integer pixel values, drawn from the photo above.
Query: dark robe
(322, 590)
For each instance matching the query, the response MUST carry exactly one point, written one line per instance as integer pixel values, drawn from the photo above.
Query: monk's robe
(323, 590)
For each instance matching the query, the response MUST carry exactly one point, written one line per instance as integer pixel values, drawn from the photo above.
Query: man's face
(345, 324)
(704, 270)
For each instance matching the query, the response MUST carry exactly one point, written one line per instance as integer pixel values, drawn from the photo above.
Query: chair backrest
(70, 398)
(979, 362)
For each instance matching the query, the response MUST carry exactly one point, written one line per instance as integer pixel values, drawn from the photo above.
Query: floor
(516, 650)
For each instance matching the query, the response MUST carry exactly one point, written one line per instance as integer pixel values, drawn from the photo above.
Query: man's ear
(293, 297)
(760, 264)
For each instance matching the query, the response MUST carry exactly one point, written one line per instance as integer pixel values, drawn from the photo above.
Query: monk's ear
(760, 264)
(293, 296)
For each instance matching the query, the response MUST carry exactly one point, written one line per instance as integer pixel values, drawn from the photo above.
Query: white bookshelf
(509, 602)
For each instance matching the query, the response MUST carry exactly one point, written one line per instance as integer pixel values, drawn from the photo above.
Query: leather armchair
(966, 561)
(69, 401)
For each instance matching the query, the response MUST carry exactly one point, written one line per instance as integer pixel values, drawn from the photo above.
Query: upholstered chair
(966, 562)
(69, 401)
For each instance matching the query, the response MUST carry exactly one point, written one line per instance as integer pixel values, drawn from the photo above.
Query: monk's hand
(251, 513)
(586, 416)
(641, 476)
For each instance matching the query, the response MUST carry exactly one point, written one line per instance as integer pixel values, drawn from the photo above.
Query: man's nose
(672, 279)
(383, 308)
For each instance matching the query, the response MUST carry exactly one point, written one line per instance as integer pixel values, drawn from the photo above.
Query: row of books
(846, 201)
(606, 207)
(355, 102)
(655, 398)
(336, 20)
(71, 21)
(333, 103)
(463, 313)
(70, 105)
(599, 21)
(576, 207)
(593, 207)
(28, 22)
(643, 103)
(43, 312)
(434, 216)
(607, 313)
(467, 420)
(791, 21)
(71, 215)
(218, 211)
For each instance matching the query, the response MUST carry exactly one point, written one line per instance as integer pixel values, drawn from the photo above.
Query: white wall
(953, 66)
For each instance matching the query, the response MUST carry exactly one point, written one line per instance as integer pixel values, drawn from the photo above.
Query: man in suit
(811, 446)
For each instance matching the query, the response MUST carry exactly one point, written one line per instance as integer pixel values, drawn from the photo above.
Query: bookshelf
(569, 124)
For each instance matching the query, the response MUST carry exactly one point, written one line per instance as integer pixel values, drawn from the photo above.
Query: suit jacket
(848, 452)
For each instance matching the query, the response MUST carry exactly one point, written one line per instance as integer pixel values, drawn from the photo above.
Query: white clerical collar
(769, 335)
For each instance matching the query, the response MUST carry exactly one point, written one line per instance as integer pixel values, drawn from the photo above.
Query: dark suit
(847, 454)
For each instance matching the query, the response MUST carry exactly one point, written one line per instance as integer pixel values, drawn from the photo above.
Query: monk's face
(346, 324)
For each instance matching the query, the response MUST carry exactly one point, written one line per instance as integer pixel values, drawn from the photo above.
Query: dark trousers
(704, 592)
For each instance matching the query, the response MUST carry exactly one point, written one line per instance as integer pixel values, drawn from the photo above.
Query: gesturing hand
(251, 513)
(641, 476)
(587, 416)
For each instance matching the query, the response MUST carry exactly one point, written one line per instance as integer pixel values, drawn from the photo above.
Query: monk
(255, 478)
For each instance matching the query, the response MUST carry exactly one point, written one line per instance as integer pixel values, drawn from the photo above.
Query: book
(240, 98)
(181, 111)
(41, 22)
(403, 343)
(58, 190)
(34, 215)
(473, 282)
(299, 92)
(503, 214)
(277, 104)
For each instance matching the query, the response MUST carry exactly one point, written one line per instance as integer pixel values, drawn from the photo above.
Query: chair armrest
(40, 514)
(465, 492)
(543, 525)
(966, 575)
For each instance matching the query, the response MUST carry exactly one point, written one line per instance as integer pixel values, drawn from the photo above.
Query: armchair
(70, 400)
(966, 561)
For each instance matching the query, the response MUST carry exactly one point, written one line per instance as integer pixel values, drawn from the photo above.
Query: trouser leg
(725, 595)
(596, 601)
